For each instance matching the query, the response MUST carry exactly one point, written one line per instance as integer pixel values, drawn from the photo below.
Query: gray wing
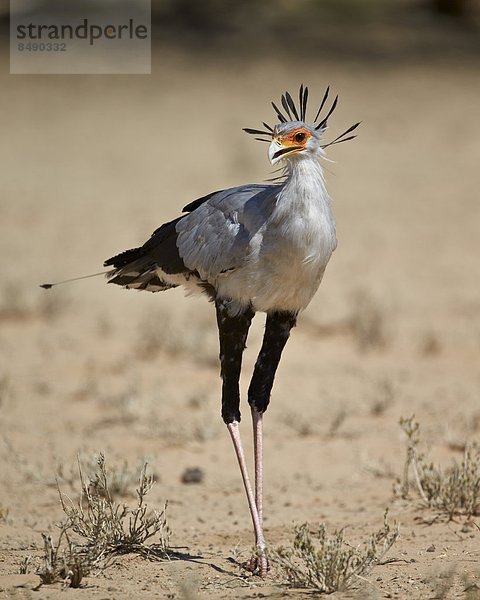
(216, 236)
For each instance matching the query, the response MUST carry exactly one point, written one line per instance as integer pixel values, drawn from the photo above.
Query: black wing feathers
(137, 267)
(196, 203)
(162, 248)
(124, 258)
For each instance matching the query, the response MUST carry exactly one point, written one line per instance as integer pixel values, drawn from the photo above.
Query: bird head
(293, 138)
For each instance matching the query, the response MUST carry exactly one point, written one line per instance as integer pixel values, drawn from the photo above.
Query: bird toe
(258, 564)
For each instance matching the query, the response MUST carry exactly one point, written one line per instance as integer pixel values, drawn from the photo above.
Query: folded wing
(211, 239)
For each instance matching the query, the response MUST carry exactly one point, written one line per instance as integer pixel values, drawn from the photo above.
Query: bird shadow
(179, 555)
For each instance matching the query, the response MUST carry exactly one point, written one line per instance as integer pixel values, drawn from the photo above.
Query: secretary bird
(252, 248)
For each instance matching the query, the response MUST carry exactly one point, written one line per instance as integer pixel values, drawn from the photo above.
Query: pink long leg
(257, 420)
(259, 562)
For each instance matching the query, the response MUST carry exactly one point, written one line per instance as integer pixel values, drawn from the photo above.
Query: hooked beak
(277, 151)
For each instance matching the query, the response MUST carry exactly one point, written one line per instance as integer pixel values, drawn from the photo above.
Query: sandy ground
(89, 167)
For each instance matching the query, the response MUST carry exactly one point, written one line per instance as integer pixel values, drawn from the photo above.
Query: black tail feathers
(124, 258)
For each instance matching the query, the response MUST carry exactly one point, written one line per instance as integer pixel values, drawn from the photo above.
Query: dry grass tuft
(454, 490)
(108, 527)
(121, 476)
(65, 562)
(327, 563)
(97, 528)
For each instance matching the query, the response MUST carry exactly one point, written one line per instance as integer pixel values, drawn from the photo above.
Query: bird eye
(299, 137)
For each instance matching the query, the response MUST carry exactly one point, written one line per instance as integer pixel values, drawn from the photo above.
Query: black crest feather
(293, 112)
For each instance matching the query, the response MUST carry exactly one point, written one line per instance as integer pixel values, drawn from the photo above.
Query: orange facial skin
(296, 139)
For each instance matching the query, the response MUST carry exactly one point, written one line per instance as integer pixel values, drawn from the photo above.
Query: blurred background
(342, 30)
(91, 165)
(360, 29)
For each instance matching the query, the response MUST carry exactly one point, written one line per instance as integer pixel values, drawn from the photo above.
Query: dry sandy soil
(89, 167)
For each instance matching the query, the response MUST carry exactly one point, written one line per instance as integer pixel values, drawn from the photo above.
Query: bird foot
(258, 564)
